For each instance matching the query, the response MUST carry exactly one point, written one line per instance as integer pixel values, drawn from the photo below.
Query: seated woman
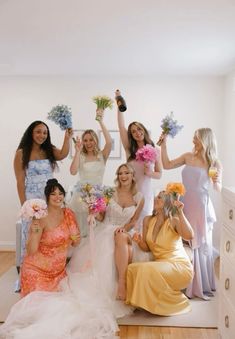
(157, 286)
(112, 243)
(47, 245)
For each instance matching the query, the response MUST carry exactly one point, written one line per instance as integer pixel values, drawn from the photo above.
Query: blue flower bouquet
(169, 127)
(62, 116)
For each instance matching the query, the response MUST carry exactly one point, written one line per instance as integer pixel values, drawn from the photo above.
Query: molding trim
(7, 246)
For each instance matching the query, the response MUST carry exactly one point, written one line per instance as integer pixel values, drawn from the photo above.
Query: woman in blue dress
(197, 177)
(34, 163)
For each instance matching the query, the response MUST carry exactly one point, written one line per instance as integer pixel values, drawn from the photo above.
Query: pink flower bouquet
(147, 153)
(33, 209)
(96, 197)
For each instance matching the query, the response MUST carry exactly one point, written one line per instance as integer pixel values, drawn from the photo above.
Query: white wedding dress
(86, 307)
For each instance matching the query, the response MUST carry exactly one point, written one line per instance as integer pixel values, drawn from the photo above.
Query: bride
(86, 307)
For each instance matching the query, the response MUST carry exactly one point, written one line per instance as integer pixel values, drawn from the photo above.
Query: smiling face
(56, 198)
(125, 176)
(89, 142)
(40, 134)
(137, 132)
(159, 201)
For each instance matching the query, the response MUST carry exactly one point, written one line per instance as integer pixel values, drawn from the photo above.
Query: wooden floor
(7, 259)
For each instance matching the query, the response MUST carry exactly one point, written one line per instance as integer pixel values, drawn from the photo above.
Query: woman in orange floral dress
(48, 242)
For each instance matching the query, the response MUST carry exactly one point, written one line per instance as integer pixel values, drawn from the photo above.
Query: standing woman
(133, 138)
(34, 163)
(198, 208)
(89, 162)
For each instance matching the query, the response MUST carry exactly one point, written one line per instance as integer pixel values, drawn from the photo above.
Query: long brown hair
(132, 142)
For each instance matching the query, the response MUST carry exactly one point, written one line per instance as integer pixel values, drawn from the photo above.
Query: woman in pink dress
(48, 242)
(197, 178)
(133, 138)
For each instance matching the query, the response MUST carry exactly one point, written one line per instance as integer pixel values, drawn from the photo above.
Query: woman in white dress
(113, 245)
(133, 138)
(89, 162)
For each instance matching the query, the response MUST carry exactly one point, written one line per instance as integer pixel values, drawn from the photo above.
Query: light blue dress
(37, 174)
(200, 213)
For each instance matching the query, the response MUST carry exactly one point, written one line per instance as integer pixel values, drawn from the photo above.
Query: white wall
(196, 101)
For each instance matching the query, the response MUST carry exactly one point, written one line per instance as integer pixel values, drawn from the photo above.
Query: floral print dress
(43, 270)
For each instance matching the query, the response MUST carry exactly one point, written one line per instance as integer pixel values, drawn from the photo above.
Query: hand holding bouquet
(62, 116)
(96, 197)
(147, 153)
(33, 209)
(169, 127)
(175, 190)
(102, 103)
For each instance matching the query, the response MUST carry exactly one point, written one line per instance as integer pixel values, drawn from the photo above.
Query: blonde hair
(208, 141)
(95, 139)
(168, 204)
(131, 170)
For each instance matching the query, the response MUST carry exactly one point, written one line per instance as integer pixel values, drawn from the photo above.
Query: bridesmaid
(197, 178)
(89, 162)
(156, 286)
(133, 138)
(34, 163)
(47, 245)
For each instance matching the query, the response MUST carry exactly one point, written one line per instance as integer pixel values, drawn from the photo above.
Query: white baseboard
(7, 246)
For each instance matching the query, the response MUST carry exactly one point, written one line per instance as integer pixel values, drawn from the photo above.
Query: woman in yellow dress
(156, 286)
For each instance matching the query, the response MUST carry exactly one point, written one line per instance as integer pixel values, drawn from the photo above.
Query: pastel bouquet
(175, 190)
(62, 116)
(33, 209)
(169, 127)
(96, 197)
(102, 102)
(147, 153)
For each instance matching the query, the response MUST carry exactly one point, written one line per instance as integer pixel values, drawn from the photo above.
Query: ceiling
(116, 38)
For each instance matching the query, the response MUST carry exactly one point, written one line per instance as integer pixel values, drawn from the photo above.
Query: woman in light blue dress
(197, 178)
(34, 163)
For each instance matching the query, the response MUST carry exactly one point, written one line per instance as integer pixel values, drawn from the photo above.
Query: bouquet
(169, 126)
(147, 153)
(62, 116)
(175, 190)
(96, 197)
(33, 209)
(102, 103)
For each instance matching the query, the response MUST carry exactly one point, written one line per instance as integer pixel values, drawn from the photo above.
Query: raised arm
(217, 179)
(181, 223)
(157, 172)
(34, 237)
(108, 140)
(62, 153)
(76, 159)
(123, 131)
(20, 176)
(166, 162)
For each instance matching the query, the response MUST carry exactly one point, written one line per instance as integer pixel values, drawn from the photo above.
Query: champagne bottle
(120, 101)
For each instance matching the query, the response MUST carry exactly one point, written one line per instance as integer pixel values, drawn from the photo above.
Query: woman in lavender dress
(34, 163)
(197, 178)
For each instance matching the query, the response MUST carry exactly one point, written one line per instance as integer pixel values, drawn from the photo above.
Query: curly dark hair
(26, 145)
(51, 186)
(133, 144)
